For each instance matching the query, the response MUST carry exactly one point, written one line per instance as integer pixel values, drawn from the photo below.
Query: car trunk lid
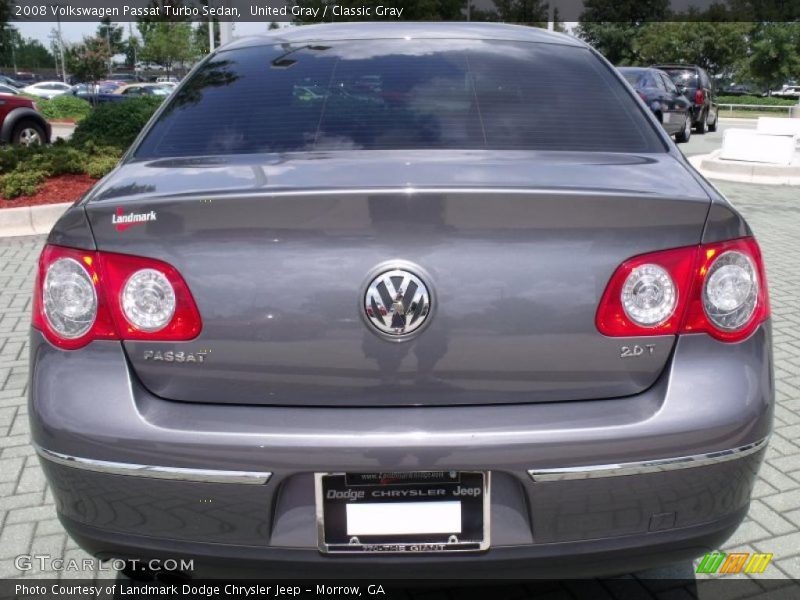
(278, 252)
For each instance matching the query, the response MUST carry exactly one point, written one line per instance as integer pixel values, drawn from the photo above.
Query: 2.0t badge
(397, 303)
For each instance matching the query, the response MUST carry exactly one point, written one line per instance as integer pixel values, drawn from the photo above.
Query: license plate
(423, 511)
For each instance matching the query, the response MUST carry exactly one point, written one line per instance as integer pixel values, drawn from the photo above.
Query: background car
(165, 79)
(21, 122)
(7, 89)
(24, 78)
(670, 107)
(740, 89)
(47, 89)
(125, 77)
(787, 91)
(697, 86)
(141, 89)
(95, 93)
(9, 81)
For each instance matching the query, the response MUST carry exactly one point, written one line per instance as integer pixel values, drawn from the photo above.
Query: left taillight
(82, 296)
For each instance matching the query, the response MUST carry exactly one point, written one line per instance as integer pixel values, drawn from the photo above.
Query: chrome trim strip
(155, 472)
(649, 466)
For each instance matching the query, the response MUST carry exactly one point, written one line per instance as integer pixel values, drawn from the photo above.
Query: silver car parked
(420, 300)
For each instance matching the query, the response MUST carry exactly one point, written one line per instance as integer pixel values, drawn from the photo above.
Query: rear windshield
(640, 79)
(400, 94)
(684, 77)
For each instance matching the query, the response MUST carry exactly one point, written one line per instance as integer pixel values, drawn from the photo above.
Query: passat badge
(397, 303)
(176, 357)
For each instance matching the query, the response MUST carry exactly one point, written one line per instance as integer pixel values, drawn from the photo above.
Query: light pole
(60, 45)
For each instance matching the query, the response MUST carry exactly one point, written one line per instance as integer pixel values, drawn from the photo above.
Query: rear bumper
(595, 484)
(600, 557)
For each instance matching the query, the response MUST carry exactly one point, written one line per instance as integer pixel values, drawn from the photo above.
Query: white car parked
(47, 89)
(788, 91)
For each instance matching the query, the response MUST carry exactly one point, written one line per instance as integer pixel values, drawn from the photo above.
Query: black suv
(698, 87)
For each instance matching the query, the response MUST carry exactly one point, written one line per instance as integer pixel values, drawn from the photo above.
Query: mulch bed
(64, 188)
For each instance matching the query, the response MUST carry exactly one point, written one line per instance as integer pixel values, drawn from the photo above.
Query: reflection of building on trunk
(428, 349)
(398, 313)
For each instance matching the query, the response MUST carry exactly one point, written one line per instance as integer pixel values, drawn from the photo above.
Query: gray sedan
(396, 299)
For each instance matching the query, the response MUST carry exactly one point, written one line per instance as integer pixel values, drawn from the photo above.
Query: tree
(106, 30)
(528, 12)
(132, 49)
(201, 33)
(558, 24)
(201, 37)
(88, 61)
(32, 54)
(720, 48)
(775, 53)
(168, 43)
(611, 26)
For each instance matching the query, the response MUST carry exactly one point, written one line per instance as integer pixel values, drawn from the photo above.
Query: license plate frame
(472, 490)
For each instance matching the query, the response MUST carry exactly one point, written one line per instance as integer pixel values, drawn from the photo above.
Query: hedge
(95, 147)
(65, 106)
(116, 123)
(763, 100)
(24, 169)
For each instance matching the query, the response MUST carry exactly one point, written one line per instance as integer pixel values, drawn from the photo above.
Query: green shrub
(21, 183)
(11, 156)
(56, 160)
(99, 166)
(765, 101)
(65, 106)
(116, 123)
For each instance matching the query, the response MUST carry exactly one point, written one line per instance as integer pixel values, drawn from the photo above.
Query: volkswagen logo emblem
(397, 303)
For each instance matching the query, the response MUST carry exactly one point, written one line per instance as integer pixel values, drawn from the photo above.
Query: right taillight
(83, 295)
(699, 96)
(719, 289)
(728, 298)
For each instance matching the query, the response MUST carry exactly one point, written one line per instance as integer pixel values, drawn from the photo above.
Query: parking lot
(28, 523)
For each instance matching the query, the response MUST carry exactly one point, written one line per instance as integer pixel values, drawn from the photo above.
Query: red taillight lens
(730, 305)
(719, 289)
(614, 319)
(699, 97)
(69, 305)
(130, 307)
(82, 296)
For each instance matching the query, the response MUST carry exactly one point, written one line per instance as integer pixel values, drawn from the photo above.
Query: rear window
(400, 94)
(684, 77)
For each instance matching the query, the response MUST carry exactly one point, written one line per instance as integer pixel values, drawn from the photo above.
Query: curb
(713, 167)
(30, 220)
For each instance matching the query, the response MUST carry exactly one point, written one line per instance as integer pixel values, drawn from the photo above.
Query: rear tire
(702, 126)
(28, 133)
(684, 134)
(713, 126)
